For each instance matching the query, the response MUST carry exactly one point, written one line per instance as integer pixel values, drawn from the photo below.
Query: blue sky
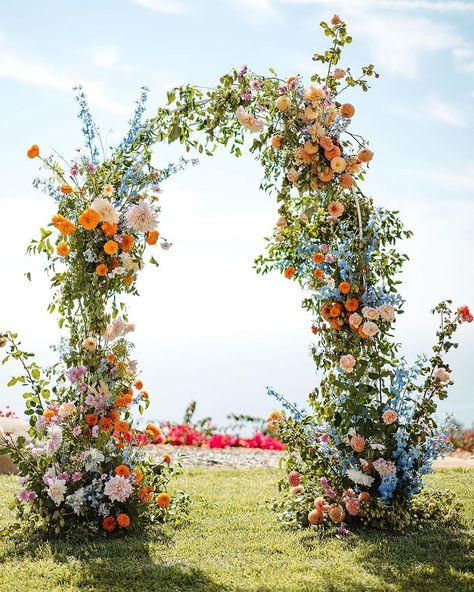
(208, 328)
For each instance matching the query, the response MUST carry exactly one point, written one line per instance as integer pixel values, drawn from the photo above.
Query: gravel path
(247, 458)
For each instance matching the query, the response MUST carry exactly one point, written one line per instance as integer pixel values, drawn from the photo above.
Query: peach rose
(355, 319)
(292, 175)
(347, 110)
(389, 416)
(347, 362)
(330, 154)
(336, 514)
(338, 164)
(326, 143)
(387, 313)
(297, 490)
(370, 329)
(358, 443)
(345, 181)
(326, 175)
(283, 103)
(294, 478)
(370, 313)
(365, 497)
(365, 155)
(442, 375)
(321, 504)
(277, 141)
(352, 506)
(313, 94)
(315, 517)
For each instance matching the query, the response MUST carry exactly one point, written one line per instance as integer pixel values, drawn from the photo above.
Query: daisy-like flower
(108, 190)
(118, 488)
(57, 490)
(106, 210)
(141, 218)
(89, 343)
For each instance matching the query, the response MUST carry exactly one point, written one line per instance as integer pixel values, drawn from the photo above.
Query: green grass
(233, 543)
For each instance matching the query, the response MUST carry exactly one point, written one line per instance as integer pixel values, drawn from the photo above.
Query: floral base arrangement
(83, 471)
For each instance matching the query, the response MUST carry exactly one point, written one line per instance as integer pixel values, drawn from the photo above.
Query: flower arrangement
(83, 469)
(360, 454)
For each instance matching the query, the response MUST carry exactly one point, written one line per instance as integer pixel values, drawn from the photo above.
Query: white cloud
(105, 56)
(395, 5)
(257, 9)
(24, 69)
(444, 112)
(165, 6)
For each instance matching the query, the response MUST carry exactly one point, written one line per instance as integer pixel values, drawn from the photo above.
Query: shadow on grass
(436, 559)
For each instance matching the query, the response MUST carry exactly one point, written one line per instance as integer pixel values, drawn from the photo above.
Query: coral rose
(318, 257)
(365, 497)
(321, 504)
(336, 310)
(355, 320)
(109, 523)
(336, 20)
(347, 110)
(358, 443)
(123, 520)
(338, 164)
(326, 175)
(89, 219)
(365, 155)
(345, 181)
(347, 363)
(315, 517)
(289, 272)
(326, 143)
(109, 229)
(91, 419)
(333, 153)
(283, 103)
(370, 329)
(106, 424)
(352, 506)
(389, 416)
(33, 152)
(127, 242)
(336, 209)
(352, 304)
(336, 514)
(294, 478)
(163, 500)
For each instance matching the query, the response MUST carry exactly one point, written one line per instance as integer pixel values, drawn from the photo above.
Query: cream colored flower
(89, 343)
(370, 328)
(141, 218)
(370, 313)
(106, 210)
(66, 409)
(108, 190)
(387, 313)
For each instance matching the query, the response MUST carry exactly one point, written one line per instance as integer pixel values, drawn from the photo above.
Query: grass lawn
(233, 543)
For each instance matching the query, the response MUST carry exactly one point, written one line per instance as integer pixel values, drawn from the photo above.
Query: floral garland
(361, 453)
(83, 468)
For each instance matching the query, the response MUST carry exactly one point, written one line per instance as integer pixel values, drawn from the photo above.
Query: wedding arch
(359, 455)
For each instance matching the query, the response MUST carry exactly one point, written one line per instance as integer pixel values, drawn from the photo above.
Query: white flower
(76, 500)
(118, 488)
(56, 490)
(108, 190)
(370, 328)
(141, 218)
(106, 210)
(66, 409)
(90, 256)
(114, 330)
(442, 375)
(330, 282)
(92, 458)
(248, 120)
(89, 343)
(128, 263)
(370, 313)
(41, 424)
(347, 362)
(387, 313)
(360, 478)
(165, 245)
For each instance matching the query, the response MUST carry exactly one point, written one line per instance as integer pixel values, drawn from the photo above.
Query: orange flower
(361, 333)
(335, 324)
(109, 523)
(123, 400)
(318, 273)
(66, 189)
(277, 142)
(127, 280)
(336, 209)
(352, 304)
(137, 476)
(326, 310)
(326, 175)
(345, 181)
(123, 520)
(109, 229)
(111, 358)
(101, 269)
(365, 155)
(347, 110)
(344, 287)
(138, 385)
(145, 494)
(152, 237)
(336, 310)
(33, 152)
(121, 426)
(48, 414)
(64, 225)
(144, 394)
(113, 414)
(122, 471)
(167, 458)
(333, 153)
(110, 247)
(91, 419)
(62, 249)
(106, 424)
(89, 219)
(289, 272)
(318, 257)
(127, 243)
(163, 500)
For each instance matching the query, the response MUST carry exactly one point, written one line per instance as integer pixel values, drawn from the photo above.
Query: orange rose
(333, 153)
(152, 237)
(335, 310)
(289, 272)
(365, 155)
(138, 385)
(347, 110)
(113, 414)
(123, 520)
(91, 419)
(106, 424)
(109, 524)
(127, 243)
(345, 181)
(121, 426)
(122, 471)
(66, 189)
(101, 269)
(89, 219)
(137, 476)
(352, 304)
(64, 225)
(109, 229)
(318, 273)
(123, 400)
(163, 500)
(344, 287)
(62, 249)
(326, 175)
(318, 257)
(33, 152)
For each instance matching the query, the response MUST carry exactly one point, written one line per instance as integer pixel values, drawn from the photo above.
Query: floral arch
(359, 455)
